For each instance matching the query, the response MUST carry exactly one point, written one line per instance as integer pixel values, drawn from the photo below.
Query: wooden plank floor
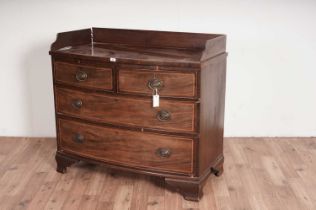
(260, 173)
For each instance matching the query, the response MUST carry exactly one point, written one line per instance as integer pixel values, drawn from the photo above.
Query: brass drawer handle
(163, 115)
(77, 103)
(163, 152)
(78, 138)
(155, 84)
(81, 76)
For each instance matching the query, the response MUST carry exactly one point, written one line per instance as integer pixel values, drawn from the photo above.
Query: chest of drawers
(104, 82)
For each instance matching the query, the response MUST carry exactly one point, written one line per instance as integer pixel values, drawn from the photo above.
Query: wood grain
(175, 84)
(72, 38)
(188, 67)
(126, 147)
(261, 174)
(140, 46)
(147, 38)
(213, 79)
(97, 78)
(126, 110)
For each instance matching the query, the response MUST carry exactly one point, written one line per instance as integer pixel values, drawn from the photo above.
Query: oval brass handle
(163, 152)
(155, 84)
(81, 76)
(78, 138)
(163, 115)
(77, 103)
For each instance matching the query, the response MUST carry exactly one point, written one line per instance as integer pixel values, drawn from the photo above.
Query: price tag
(113, 60)
(156, 99)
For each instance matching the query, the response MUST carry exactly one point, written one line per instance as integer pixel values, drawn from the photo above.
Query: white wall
(271, 78)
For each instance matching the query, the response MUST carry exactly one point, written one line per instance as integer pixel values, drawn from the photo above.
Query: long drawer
(172, 115)
(83, 76)
(132, 148)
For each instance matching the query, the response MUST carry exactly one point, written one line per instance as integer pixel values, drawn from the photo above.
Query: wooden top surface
(132, 54)
(140, 46)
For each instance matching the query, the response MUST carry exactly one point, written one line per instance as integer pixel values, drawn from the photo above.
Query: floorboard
(259, 173)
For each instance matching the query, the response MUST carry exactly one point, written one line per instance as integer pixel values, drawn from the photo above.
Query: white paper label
(113, 60)
(156, 100)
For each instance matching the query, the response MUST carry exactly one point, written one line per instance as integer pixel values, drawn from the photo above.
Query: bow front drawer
(83, 76)
(171, 84)
(132, 148)
(170, 116)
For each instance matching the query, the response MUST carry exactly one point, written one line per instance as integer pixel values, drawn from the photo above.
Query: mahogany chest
(149, 102)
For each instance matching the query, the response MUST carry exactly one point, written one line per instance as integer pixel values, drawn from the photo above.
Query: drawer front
(172, 84)
(132, 148)
(171, 115)
(83, 76)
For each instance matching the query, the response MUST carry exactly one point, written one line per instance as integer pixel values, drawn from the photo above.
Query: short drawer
(83, 76)
(131, 148)
(171, 115)
(171, 84)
